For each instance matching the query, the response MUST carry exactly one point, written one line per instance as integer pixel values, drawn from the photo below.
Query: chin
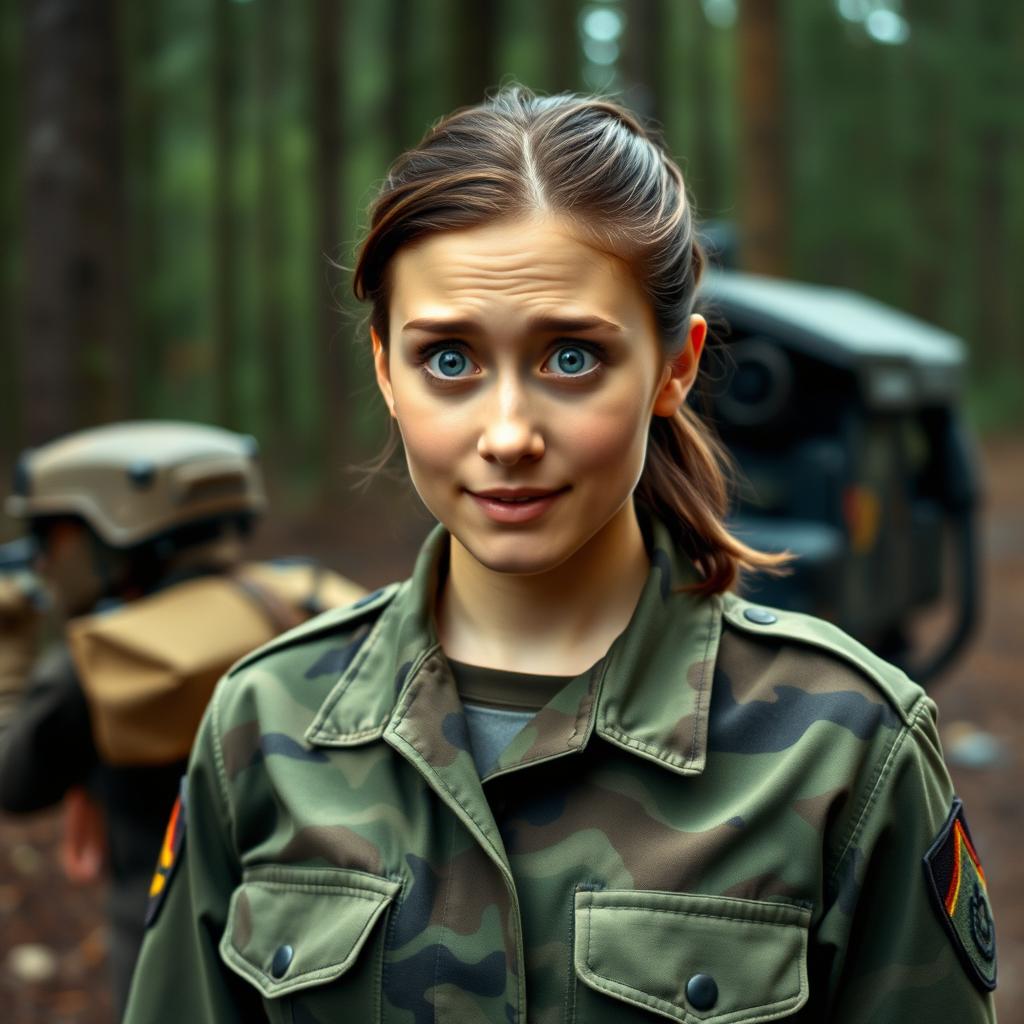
(517, 556)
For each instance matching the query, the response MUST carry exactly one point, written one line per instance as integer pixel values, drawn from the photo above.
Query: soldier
(562, 773)
(140, 530)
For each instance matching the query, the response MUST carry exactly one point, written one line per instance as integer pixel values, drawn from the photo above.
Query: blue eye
(571, 361)
(448, 362)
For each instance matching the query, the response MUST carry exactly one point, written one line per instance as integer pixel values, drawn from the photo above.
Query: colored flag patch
(956, 881)
(170, 853)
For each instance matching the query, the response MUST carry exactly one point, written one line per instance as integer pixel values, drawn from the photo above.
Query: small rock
(970, 747)
(32, 963)
(26, 859)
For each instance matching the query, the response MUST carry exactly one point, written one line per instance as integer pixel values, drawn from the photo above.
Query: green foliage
(995, 400)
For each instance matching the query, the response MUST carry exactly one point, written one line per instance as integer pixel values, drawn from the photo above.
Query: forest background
(178, 177)
(182, 182)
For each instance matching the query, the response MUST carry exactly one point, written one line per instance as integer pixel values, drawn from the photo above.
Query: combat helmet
(134, 483)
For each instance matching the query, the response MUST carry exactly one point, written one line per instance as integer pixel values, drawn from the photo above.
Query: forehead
(522, 265)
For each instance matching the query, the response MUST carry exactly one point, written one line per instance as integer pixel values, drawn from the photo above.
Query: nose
(510, 433)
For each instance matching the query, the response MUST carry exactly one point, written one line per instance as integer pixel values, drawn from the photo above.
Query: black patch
(334, 661)
(766, 727)
(414, 915)
(544, 809)
(282, 745)
(956, 884)
(414, 976)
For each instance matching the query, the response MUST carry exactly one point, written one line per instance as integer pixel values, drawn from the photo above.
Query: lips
(517, 493)
(511, 505)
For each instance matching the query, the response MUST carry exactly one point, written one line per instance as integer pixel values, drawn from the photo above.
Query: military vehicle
(844, 417)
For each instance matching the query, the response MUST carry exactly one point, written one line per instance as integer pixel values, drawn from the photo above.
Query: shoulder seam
(219, 769)
(882, 773)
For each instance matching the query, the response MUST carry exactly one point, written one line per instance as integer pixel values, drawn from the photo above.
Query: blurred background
(182, 183)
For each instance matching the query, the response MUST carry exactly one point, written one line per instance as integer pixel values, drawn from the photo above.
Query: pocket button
(702, 992)
(282, 960)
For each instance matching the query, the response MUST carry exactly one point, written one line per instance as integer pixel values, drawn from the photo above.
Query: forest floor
(56, 930)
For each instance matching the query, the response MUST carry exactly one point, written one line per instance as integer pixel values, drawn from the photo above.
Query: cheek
(434, 441)
(609, 437)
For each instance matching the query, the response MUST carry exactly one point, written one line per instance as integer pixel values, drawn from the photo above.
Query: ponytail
(685, 483)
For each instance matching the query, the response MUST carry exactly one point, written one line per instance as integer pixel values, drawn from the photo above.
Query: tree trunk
(11, 215)
(708, 169)
(642, 43)
(997, 329)
(224, 310)
(335, 421)
(763, 183)
(477, 42)
(269, 228)
(140, 42)
(563, 47)
(73, 220)
(400, 81)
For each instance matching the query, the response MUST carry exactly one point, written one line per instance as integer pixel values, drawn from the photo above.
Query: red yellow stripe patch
(170, 852)
(961, 843)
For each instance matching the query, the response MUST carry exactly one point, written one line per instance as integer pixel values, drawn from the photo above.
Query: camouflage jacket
(724, 820)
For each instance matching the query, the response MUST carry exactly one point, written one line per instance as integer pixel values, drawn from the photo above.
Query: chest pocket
(687, 958)
(309, 931)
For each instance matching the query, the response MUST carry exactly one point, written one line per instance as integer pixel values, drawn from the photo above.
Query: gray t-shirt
(498, 705)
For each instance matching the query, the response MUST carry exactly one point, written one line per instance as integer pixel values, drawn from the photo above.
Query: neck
(557, 622)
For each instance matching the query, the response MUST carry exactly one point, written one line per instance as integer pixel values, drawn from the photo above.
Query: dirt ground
(53, 933)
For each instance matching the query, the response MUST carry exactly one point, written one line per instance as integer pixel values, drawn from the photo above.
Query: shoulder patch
(170, 854)
(959, 893)
(782, 624)
(351, 615)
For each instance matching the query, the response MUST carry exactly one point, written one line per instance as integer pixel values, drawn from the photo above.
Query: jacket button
(702, 992)
(761, 616)
(282, 960)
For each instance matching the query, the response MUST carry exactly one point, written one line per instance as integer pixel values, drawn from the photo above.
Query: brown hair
(591, 160)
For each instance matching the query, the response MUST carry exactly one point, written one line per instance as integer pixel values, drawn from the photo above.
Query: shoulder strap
(280, 614)
(347, 617)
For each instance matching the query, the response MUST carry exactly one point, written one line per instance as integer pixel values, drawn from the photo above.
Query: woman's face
(523, 368)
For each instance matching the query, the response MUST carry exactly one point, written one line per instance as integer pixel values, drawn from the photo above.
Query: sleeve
(180, 975)
(891, 947)
(46, 744)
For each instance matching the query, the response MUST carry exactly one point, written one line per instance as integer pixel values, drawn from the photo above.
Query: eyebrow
(552, 324)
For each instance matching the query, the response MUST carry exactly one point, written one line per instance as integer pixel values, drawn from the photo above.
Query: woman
(562, 773)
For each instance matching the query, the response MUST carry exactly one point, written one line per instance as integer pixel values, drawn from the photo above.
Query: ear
(679, 375)
(382, 369)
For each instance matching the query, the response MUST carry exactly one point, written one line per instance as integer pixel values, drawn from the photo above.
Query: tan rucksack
(149, 667)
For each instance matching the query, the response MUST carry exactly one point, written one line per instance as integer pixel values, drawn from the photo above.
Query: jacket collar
(649, 695)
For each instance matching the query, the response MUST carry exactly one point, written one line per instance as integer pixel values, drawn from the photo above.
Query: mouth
(515, 504)
(517, 494)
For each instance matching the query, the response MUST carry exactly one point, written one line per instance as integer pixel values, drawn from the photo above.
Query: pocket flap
(291, 927)
(645, 948)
